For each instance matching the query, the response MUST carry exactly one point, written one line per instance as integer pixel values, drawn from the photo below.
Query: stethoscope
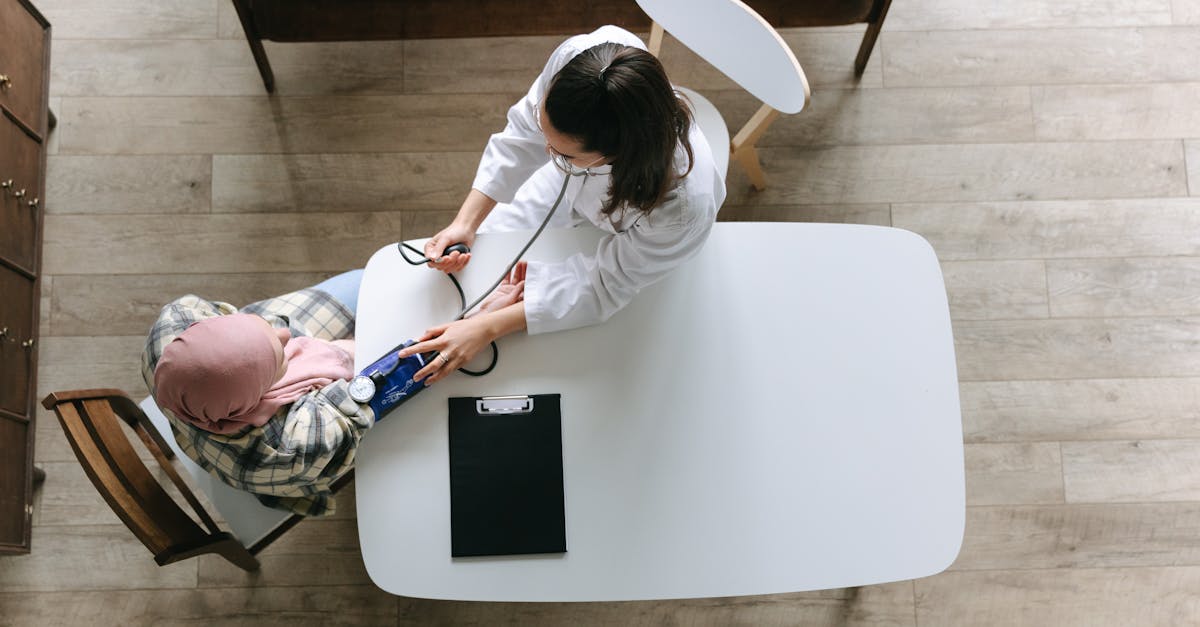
(568, 174)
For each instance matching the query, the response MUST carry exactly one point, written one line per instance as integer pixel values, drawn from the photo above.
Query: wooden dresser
(24, 124)
(354, 20)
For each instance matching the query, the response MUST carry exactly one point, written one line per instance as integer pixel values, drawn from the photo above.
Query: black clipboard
(506, 476)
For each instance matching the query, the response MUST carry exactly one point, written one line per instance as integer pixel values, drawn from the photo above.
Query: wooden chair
(90, 420)
(792, 14)
(736, 40)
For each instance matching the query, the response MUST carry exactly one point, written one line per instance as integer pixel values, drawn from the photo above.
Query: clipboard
(506, 476)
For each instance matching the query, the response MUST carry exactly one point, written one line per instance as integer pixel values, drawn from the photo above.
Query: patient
(258, 396)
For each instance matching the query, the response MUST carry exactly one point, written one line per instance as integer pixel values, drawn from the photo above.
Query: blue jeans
(343, 287)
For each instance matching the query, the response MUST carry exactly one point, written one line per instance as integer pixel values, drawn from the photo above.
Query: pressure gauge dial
(362, 389)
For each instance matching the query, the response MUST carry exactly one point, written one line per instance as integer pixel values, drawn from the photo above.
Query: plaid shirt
(290, 462)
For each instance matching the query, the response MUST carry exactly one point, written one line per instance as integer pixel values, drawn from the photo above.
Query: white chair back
(712, 126)
(740, 43)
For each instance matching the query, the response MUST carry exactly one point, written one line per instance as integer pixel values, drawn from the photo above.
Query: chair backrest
(741, 44)
(90, 419)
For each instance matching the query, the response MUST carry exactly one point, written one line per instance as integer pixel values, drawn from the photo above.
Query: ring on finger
(445, 362)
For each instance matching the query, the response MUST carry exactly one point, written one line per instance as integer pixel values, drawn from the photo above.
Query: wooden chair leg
(278, 531)
(741, 147)
(222, 544)
(872, 34)
(256, 47)
(656, 39)
(39, 475)
(747, 156)
(237, 555)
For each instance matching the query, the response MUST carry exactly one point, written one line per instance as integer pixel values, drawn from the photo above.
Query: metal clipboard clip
(503, 405)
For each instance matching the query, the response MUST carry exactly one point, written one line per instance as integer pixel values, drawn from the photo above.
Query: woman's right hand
(453, 234)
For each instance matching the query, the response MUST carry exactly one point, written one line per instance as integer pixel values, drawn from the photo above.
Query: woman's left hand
(511, 290)
(456, 344)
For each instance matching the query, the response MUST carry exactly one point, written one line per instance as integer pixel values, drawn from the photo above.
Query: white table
(779, 414)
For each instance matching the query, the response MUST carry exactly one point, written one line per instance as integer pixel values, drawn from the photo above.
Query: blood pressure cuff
(393, 380)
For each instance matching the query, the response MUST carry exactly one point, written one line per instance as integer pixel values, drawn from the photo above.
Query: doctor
(603, 119)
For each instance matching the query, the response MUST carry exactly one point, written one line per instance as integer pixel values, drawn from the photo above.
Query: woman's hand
(456, 344)
(456, 233)
(511, 290)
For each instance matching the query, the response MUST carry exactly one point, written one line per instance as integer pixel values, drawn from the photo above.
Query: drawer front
(20, 197)
(15, 483)
(17, 327)
(22, 60)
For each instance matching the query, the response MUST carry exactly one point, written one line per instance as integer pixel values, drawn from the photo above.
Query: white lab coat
(587, 289)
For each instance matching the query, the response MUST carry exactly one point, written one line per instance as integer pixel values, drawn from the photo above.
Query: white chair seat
(712, 125)
(245, 517)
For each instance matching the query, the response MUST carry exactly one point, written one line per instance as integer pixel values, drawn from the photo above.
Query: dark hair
(616, 100)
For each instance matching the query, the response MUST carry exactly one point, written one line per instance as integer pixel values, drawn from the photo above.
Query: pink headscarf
(219, 374)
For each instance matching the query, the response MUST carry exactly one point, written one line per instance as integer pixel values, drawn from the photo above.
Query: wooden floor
(1048, 149)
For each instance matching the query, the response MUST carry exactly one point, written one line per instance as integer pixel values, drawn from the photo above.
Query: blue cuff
(393, 379)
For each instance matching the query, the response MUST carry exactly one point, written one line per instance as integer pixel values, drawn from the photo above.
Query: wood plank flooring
(1049, 150)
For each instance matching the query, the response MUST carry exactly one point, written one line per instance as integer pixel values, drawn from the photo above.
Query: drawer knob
(20, 194)
(6, 184)
(27, 343)
(3, 333)
(33, 204)
(5, 81)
